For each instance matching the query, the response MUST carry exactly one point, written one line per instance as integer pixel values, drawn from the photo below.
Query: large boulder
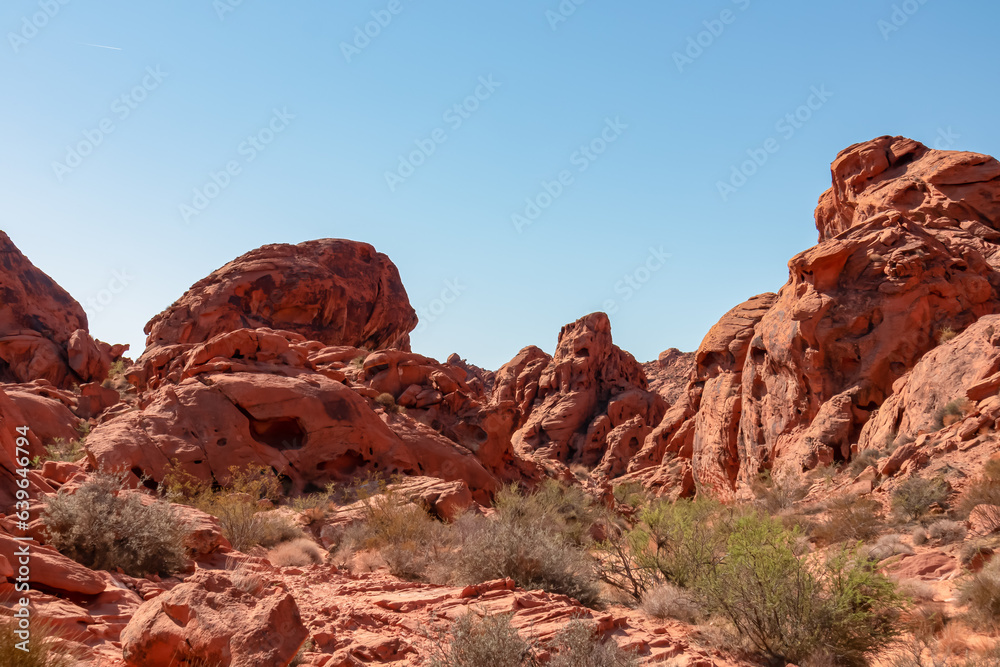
(334, 291)
(940, 188)
(43, 330)
(209, 620)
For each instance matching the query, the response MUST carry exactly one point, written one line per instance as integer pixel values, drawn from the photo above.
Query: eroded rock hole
(283, 434)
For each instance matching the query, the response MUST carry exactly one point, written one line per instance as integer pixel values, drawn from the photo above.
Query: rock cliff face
(43, 330)
(907, 253)
(589, 404)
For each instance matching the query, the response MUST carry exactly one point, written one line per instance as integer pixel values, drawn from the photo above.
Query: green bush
(793, 612)
(103, 529)
(913, 499)
(673, 542)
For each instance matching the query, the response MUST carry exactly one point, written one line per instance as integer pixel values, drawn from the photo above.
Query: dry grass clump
(238, 506)
(492, 641)
(43, 649)
(952, 413)
(863, 460)
(850, 518)
(915, 497)
(945, 334)
(981, 592)
(388, 402)
(244, 576)
(394, 533)
(984, 490)
(577, 646)
(102, 528)
(63, 450)
(919, 535)
(489, 640)
(777, 492)
(297, 553)
(669, 601)
(977, 550)
(946, 531)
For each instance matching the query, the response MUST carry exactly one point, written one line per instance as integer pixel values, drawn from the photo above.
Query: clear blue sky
(560, 83)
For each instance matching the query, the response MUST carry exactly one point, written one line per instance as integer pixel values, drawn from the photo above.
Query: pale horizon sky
(618, 121)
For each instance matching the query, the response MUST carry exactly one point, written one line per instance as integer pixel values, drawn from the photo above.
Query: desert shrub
(886, 547)
(244, 576)
(254, 481)
(945, 334)
(567, 510)
(984, 489)
(669, 601)
(673, 542)
(296, 553)
(489, 641)
(405, 535)
(791, 611)
(778, 492)
(685, 538)
(63, 450)
(952, 412)
(919, 535)
(388, 401)
(43, 648)
(981, 592)
(976, 549)
(913, 499)
(864, 460)
(946, 532)
(245, 526)
(631, 494)
(850, 519)
(577, 646)
(536, 540)
(315, 506)
(238, 505)
(102, 528)
(530, 554)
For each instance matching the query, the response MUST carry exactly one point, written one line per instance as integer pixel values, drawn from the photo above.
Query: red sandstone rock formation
(669, 375)
(592, 404)
(907, 251)
(43, 330)
(333, 291)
